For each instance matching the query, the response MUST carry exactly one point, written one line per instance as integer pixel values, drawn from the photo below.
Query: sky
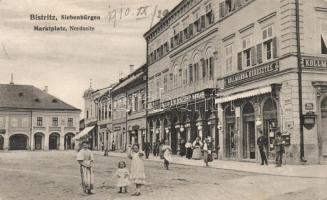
(66, 61)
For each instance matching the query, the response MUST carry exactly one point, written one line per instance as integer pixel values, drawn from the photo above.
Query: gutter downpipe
(299, 66)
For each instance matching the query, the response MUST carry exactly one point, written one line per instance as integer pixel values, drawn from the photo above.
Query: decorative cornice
(246, 28)
(229, 37)
(273, 14)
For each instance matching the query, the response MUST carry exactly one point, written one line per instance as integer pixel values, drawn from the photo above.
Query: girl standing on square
(123, 177)
(137, 167)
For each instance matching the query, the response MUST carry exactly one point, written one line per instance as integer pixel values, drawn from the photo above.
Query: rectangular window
(247, 57)
(55, 121)
(179, 81)
(229, 58)
(190, 30)
(204, 68)
(185, 77)
(165, 82)
(39, 121)
(70, 122)
(143, 99)
(136, 102)
(203, 22)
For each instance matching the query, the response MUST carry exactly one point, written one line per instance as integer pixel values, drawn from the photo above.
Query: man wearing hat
(262, 144)
(279, 148)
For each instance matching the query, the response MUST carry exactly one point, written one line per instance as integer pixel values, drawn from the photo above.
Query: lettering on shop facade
(184, 99)
(251, 74)
(314, 62)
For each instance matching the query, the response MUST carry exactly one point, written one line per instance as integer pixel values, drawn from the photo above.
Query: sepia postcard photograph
(163, 99)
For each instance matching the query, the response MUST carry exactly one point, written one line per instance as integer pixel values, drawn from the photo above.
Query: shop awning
(242, 95)
(83, 132)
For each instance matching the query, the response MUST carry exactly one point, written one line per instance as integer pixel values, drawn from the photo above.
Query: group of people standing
(85, 158)
(279, 143)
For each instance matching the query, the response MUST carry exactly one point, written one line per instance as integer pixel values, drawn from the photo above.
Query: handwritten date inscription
(139, 13)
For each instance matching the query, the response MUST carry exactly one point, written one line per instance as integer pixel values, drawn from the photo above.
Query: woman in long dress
(188, 147)
(166, 149)
(137, 168)
(197, 144)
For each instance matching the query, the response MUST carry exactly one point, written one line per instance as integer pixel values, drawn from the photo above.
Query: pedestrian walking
(182, 148)
(123, 177)
(207, 150)
(137, 167)
(262, 143)
(161, 144)
(188, 147)
(279, 148)
(147, 149)
(85, 158)
(155, 149)
(197, 145)
(166, 154)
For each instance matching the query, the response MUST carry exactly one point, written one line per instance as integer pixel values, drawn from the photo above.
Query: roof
(30, 97)
(137, 74)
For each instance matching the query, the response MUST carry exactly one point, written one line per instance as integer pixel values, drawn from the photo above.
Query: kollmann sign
(314, 62)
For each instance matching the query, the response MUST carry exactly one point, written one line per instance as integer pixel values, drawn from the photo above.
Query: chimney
(45, 89)
(11, 79)
(131, 68)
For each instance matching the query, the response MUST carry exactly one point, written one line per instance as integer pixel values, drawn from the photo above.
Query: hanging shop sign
(314, 62)
(251, 74)
(309, 106)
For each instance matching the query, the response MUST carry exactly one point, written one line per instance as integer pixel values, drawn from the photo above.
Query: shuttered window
(275, 48)
(239, 61)
(259, 53)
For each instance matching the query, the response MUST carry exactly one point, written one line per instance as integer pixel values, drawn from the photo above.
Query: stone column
(32, 142)
(46, 141)
(221, 131)
(62, 142)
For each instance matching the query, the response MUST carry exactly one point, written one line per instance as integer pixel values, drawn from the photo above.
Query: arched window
(196, 67)
(208, 65)
(185, 71)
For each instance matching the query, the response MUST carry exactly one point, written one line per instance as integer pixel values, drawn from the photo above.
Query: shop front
(183, 119)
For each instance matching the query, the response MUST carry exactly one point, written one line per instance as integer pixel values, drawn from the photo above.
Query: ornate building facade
(182, 66)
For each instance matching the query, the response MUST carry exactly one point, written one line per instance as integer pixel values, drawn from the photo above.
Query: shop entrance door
(323, 131)
(230, 141)
(248, 133)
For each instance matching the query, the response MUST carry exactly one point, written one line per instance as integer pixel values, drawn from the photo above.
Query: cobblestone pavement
(55, 175)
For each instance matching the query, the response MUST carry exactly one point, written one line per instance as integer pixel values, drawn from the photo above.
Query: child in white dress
(123, 177)
(137, 167)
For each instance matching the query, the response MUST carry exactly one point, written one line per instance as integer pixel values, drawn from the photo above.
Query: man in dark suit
(279, 147)
(262, 144)
(147, 149)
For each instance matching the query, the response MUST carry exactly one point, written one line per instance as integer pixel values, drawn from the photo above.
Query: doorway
(18, 142)
(54, 141)
(38, 141)
(69, 144)
(270, 124)
(248, 136)
(323, 132)
(230, 133)
(1, 142)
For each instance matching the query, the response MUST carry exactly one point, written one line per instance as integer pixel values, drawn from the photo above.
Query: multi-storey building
(129, 121)
(98, 118)
(32, 119)
(182, 56)
(272, 77)
(265, 61)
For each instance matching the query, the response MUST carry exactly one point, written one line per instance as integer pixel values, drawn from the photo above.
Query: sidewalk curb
(217, 167)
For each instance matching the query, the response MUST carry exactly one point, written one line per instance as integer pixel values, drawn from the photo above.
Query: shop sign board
(314, 62)
(184, 99)
(251, 74)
